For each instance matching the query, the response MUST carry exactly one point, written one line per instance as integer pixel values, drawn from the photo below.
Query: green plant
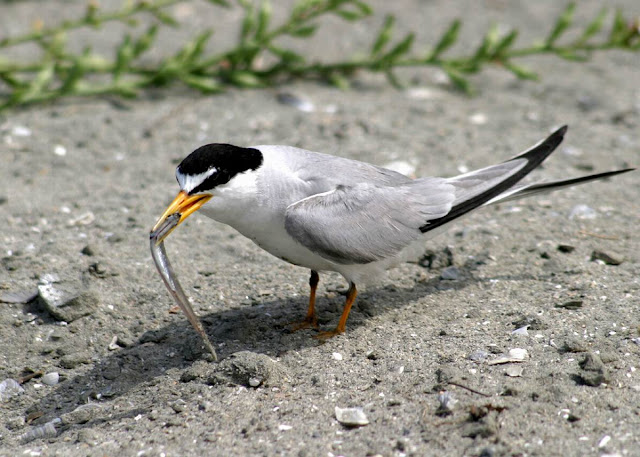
(58, 72)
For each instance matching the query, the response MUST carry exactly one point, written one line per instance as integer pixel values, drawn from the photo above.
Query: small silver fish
(157, 235)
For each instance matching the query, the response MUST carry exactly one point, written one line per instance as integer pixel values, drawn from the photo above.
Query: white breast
(254, 204)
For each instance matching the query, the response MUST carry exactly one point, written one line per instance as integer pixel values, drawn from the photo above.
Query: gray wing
(367, 222)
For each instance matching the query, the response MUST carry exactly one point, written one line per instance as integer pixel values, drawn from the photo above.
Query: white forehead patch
(190, 182)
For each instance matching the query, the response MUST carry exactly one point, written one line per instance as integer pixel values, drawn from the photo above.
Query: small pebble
(82, 414)
(450, 274)
(566, 248)
(351, 417)
(255, 382)
(336, 356)
(593, 372)
(284, 427)
(51, 379)
(178, 406)
(19, 297)
(606, 257)
(88, 250)
(571, 304)
(478, 356)
(59, 150)
(574, 344)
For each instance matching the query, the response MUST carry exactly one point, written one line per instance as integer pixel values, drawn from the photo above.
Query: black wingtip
(534, 156)
(544, 148)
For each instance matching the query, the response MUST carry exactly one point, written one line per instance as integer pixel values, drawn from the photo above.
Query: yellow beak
(180, 208)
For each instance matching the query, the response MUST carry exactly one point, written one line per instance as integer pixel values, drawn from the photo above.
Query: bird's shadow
(261, 328)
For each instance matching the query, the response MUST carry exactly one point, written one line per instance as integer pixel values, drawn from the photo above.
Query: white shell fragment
(47, 430)
(478, 119)
(522, 331)
(9, 388)
(298, 102)
(20, 130)
(515, 371)
(447, 401)
(514, 355)
(113, 345)
(51, 379)
(518, 354)
(351, 417)
(604, 441)
(583, 212)
(84, 219)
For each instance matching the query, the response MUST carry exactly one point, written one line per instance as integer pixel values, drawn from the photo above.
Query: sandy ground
(82, 181)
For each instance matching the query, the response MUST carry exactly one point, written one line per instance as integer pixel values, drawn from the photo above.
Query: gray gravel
(431, 327)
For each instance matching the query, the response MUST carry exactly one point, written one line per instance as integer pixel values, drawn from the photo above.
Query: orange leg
(310, 319)
(342, 324)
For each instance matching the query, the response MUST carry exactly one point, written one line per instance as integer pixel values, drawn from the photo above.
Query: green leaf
(505, 43)
(303, 8)
(338, 80)
(563, 22)
(447, 40)
(569, 54)
(248, 23)
(75, 73)
(165, 18)
(264, 17)
(362, 10)
(303, 32)
(393, 79)
(619, 29)
(286, 55)
(205, 84)
(458, 80)
(245, 79)
(195, 48)
(224, 3)
(40, 82)
(145, 40)
(124, 54)
(384, 36)
(521, 72)
(11, 81)
(594, 26)
(488, 43)
(401, 48)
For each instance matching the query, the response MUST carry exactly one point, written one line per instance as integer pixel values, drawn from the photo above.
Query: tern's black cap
(217, 163)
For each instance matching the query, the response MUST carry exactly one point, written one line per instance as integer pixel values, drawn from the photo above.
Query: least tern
(329, 213)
